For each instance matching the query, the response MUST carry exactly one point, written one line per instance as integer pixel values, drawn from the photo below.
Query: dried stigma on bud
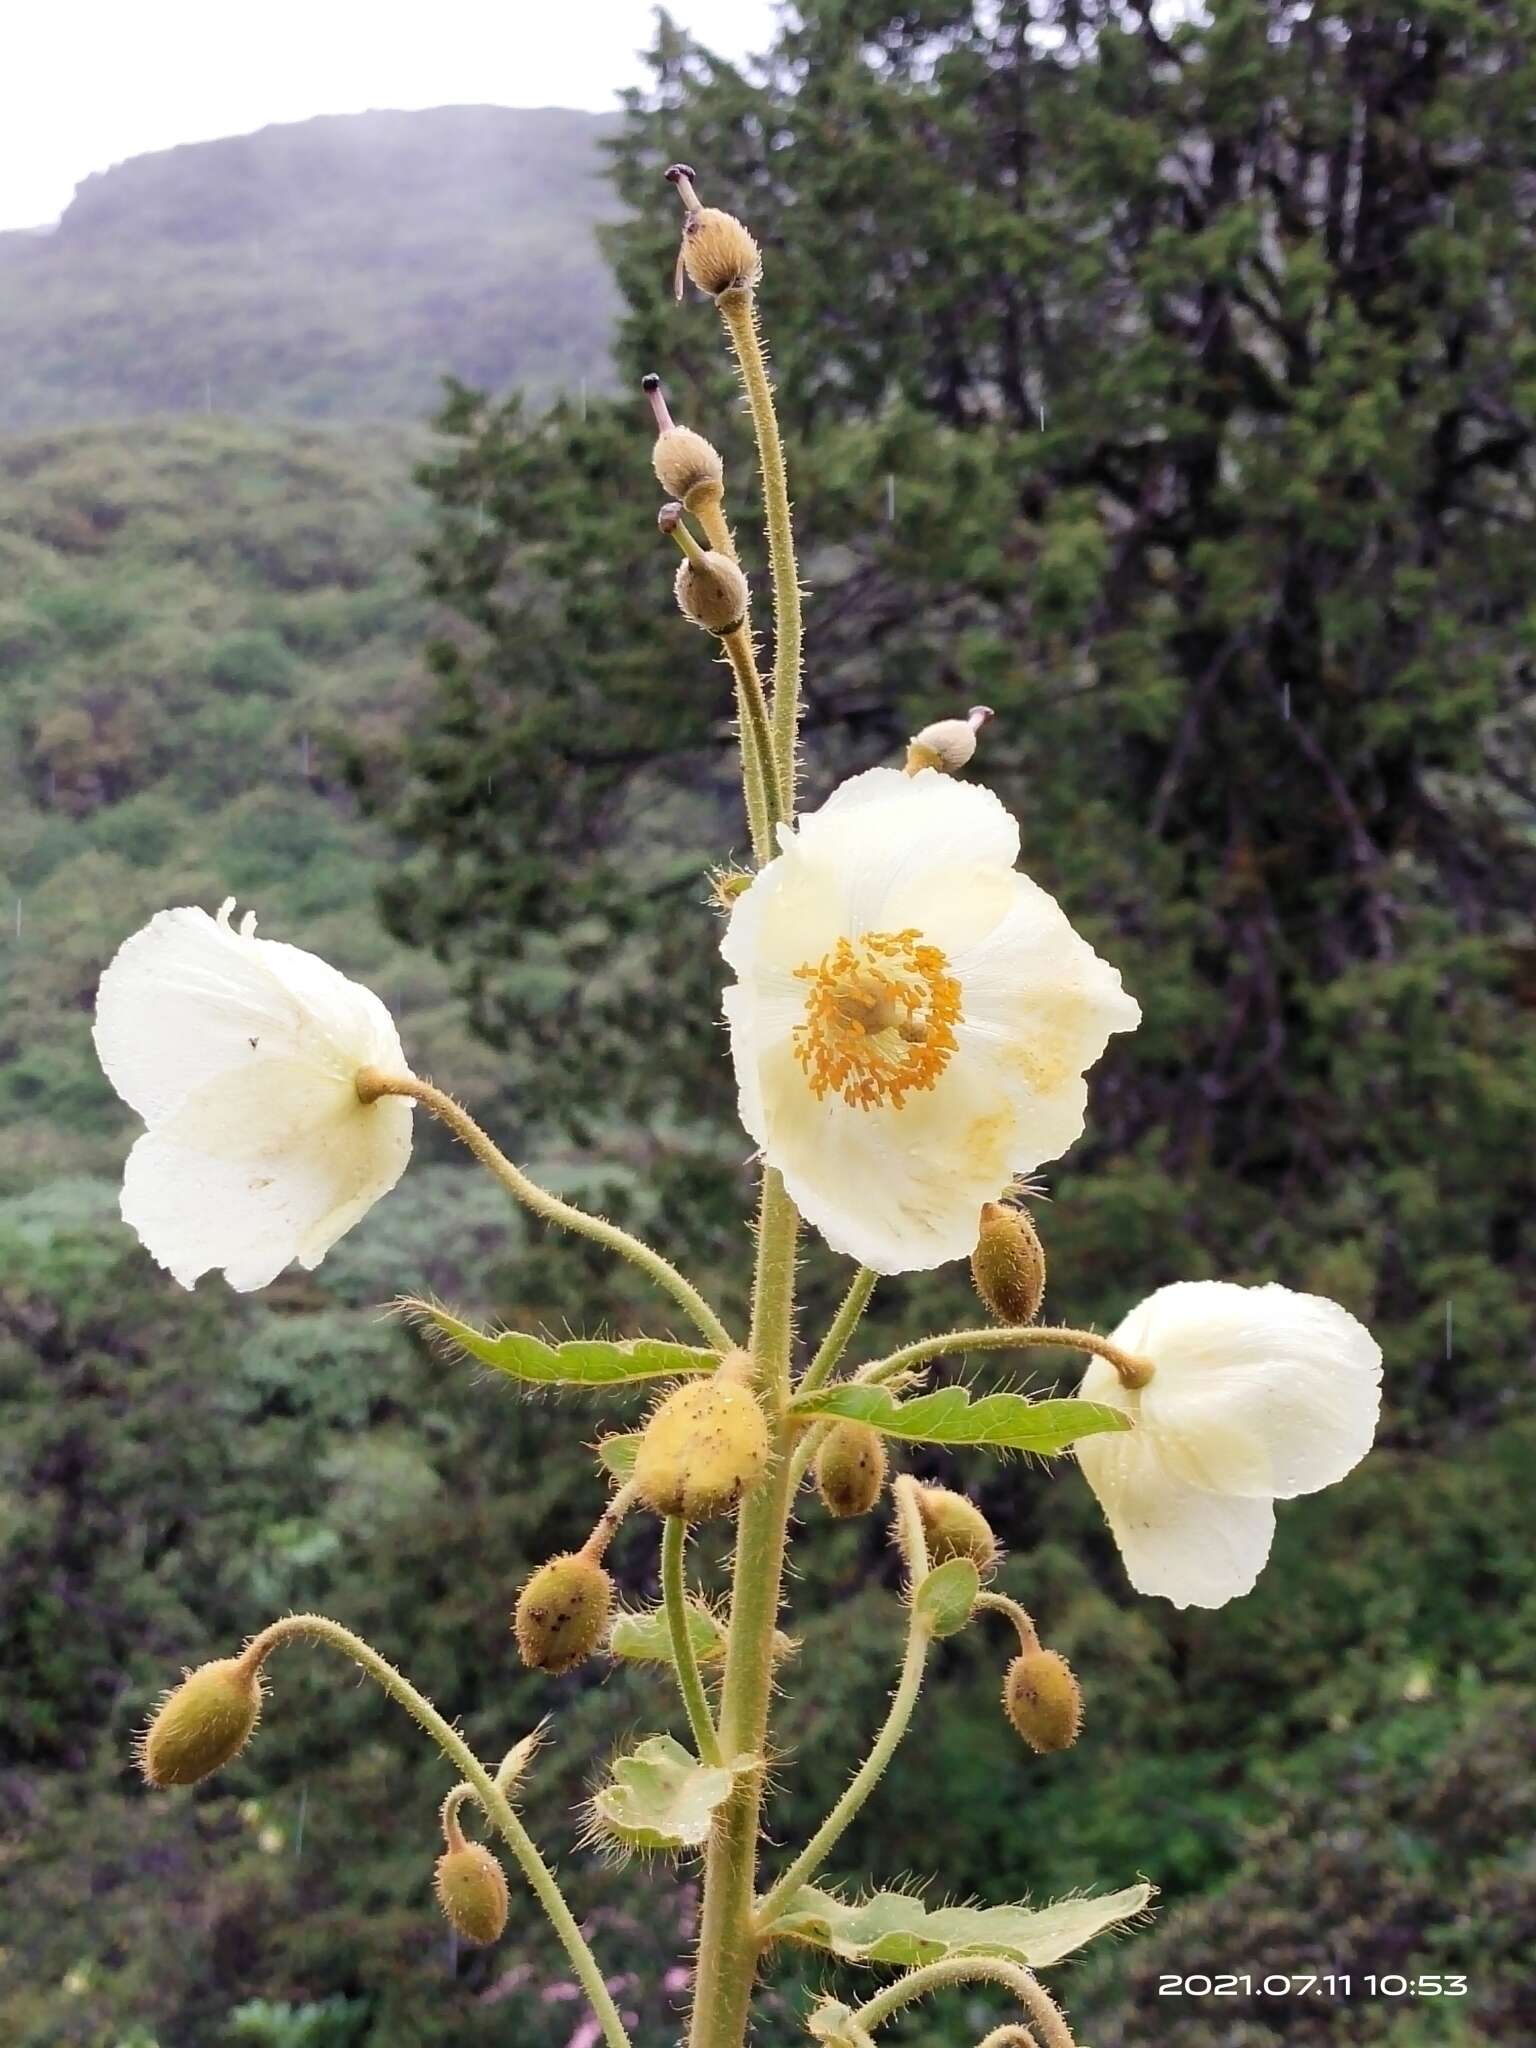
(471, 1888)
(686, 465)
(955, 1527)
(850, 1469)
(710, 588)
(704, 1447)
(202, 1724)
(1008, 1264)
(1043, 1700)
(562, 1613)
(949, 744)
(717, 253)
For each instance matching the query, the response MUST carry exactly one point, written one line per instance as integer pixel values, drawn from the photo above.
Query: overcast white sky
(85, 83)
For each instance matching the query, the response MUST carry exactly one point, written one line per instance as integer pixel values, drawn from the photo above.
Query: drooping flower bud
(850, 1469)
(1043, 1700)
(704, 1446)
(202, 1724)
(949, 744)
(710, 588)
(682, 459)
(717, 253)
(955, 1527)
(471, 1888)
(562, 1613)
(1008, 1264)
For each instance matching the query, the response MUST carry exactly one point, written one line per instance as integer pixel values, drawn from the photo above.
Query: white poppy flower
(912, 1018)
(1257, 1394)
(242, 1056)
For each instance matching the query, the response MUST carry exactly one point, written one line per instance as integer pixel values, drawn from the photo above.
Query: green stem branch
(674, 1594)
(759, 773)
(497, 1806)
(372, 1083)
(1134, 1372)
(916, 1984)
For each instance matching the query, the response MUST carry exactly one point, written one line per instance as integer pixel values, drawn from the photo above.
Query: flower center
(880, 1016)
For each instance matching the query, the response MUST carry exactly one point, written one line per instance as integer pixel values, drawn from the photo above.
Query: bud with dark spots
(704, 1446)
(850, 1469)
(1043, 1700)
(710, 588)
(202, 1724)
(1008, 1264)
(471, 1888)
(955, 1527)
(562, 1613)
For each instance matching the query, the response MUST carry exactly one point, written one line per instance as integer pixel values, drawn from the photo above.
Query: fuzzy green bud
(683, 460)
(1043, 1700)
(202, 1724)
(850, 1469)
(562, 1613)
(712, 592)
(955, 1527)
(704, 1446)
(471, 1888)
(1008, 1264)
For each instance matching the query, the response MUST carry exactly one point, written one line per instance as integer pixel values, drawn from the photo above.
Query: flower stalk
(674, 1594)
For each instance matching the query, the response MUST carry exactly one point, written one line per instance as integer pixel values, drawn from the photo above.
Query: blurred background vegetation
(1168, 385)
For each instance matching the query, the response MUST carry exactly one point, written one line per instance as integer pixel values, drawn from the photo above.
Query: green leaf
(944, 1602)
(617, 1454)
(583, 1362)
(894, 1927)
(646, 1639)
(660, 1797)
(1002, 1422)
(829, 2024)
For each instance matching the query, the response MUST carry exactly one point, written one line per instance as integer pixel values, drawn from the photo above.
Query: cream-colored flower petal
(1195, 1548)
(259, 1169)
(1257, 1390)
(189, 998)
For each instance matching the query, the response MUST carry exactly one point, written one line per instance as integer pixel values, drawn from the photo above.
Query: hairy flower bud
(562, 1613)
(704, 1447)
(202, 1724)
(955, 1527)
(471, 1888)
(712, 592)
(682, 459)
(949, 744)
(850, 1469)
(718, 253)
(1008, 1264)
(1043, 1700)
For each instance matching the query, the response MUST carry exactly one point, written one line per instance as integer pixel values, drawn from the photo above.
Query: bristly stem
(738, 309)
(1133, 1371)
(498, 1808)
(759, 774)
(674, 1595)
(844, 1323)
(372, 1083)
(897, 1721)
(1031, 1994)
(728, 1938)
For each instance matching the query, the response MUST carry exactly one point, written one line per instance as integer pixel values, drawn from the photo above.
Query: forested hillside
(332, 269)
(1170, 391)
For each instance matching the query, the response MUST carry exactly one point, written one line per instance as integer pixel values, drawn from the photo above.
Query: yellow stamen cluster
(880, 1019)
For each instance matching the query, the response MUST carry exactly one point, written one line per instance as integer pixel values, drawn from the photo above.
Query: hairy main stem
(498, 1808)
(728, 1939)
(738, 309)
(760, 775)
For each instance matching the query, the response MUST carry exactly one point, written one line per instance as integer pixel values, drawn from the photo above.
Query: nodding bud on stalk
(949, 744)
(685, 463)
(471, 1886)
(717, 252)
(202, 1724)
(1008, 1264)
(562, 1613)
(955, 1527)
(850, 1469)
(710, 588)
(704, 1446)
(1043, 1700)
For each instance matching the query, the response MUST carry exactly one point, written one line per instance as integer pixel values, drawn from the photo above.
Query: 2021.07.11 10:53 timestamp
(1243, 1984)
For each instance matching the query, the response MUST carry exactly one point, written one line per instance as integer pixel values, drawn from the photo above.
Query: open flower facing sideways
(912, 1018)
(1256, 1395)
(242, 1057)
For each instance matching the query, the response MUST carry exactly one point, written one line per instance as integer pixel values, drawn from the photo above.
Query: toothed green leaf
(646, 1639)
(945, 1600)
(894, 1927)
(1000, 1422)
(583, 1362)
(661, 1797)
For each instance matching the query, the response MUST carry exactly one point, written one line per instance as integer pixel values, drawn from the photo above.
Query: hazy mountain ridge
(326, 269)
